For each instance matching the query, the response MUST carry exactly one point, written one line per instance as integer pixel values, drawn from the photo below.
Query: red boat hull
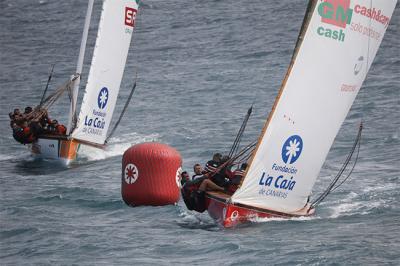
(230, 215)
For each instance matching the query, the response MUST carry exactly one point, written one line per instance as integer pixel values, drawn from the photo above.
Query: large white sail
(337, 49)
(108, 63)
(79, 66)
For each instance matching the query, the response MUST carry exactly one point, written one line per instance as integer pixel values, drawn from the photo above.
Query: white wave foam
(345, 209)
(193, 218)
(4, 157)
(344, 206)
(353, 205)
(21, 156)
(376, 189)
(116, 146)
(276, 219)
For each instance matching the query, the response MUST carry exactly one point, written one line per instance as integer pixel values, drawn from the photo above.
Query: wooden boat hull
(230, 215)
(58, 148)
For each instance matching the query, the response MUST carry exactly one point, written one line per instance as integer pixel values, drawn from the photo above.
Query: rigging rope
(236, 142)
(42, 108)
(239, 157)
(332, 187)
(123, 111)
(47, 85)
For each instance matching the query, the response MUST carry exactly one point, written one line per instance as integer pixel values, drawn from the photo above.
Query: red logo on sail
(130, 16)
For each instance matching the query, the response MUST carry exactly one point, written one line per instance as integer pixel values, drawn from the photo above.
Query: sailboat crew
(29, 125)
(21, 131)
(212, 165)
(211, 179)
(225, 179)
(184, 177)
(198, 171)
(238, 175)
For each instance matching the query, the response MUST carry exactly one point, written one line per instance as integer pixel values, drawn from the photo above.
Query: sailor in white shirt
(198, 171)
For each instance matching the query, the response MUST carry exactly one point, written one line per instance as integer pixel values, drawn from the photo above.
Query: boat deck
(53, 136)
(219, 195)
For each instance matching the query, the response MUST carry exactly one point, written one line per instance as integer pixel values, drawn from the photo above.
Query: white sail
(333, 59)
(79, 65)
(105, 75)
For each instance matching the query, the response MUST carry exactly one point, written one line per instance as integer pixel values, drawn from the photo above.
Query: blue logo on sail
(102, 99)
(291, 149)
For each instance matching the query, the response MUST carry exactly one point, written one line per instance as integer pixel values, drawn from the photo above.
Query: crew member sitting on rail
(222, 174)
(18, 117)
(61, 129)
(29, 125)
(44, 118)
(21, 130)
(36, 127)
(208, 185)
(224, 179)
(198, 172)
(201, 177)
(238, 175)
(12, 120)
(28, 136)
(27, 111)
(184, 177)
(212, 165)
(193, 192)
(18, 133)
(50, 127)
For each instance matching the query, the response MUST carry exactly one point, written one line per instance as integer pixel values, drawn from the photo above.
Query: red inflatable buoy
(151, 175)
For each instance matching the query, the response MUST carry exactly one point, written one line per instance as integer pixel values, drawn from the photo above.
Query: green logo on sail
(336, 13)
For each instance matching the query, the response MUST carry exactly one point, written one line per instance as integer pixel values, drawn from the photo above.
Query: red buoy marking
(131, 173)
(178, 177)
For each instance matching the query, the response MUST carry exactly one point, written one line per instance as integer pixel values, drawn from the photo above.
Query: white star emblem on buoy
(178, 177)
(131, 173)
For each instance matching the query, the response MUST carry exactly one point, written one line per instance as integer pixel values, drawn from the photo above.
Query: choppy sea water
(200, 65)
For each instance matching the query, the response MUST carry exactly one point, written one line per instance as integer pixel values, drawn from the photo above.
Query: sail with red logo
(105, 75)
(106, 71)
(335, 48)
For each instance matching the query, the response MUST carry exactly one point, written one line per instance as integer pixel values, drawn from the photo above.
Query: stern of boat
(58, 148)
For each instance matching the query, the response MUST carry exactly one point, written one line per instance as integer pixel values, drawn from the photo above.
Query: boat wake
(194, 220)
(264, 220)
(17, 157)
(369, 200)
(115, 147)
(4, 157)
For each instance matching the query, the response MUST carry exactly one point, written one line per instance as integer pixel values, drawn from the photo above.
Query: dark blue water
(200, 65)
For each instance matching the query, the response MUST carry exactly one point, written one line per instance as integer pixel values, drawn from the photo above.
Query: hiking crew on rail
(216, 176)
(28, 126)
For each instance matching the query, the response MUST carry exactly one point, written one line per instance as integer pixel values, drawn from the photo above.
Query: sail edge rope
(331, 187)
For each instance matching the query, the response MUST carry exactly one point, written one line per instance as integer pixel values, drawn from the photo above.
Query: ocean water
(200, 65)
